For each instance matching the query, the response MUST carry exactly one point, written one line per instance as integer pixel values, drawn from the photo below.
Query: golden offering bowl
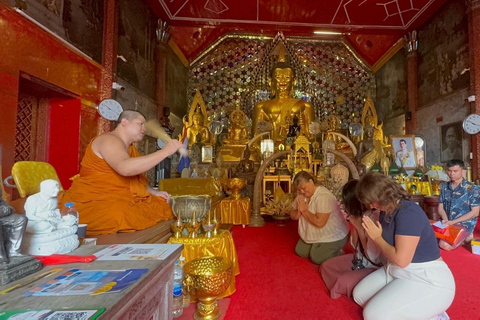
(206, 278)
(193, 228)
(177, 228)
(234, 185)
(208, 227)
(187, 205)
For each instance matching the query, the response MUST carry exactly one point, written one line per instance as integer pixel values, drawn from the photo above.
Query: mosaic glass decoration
(237, 72)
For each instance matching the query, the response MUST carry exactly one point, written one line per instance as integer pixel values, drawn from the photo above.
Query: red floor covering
(274, 283)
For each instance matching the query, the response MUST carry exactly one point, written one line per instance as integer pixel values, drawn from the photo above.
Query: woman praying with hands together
(416, 283)
(323, 230)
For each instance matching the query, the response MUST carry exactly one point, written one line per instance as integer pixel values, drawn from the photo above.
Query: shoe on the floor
(442, 316)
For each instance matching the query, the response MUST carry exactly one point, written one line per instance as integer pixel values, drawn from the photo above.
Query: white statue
(42, 212)
(47, 231)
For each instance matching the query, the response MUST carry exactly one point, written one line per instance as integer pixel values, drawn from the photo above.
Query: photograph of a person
(451, 146)
(405, 155)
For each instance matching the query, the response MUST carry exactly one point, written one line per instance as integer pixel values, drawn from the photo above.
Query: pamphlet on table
(137, 251)
(83, 282)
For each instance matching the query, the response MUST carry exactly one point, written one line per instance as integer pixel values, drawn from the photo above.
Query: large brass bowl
(234, 185)
(186, 205)
(206, 278)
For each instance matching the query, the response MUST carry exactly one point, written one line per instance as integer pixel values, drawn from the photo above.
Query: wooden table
(148, 298)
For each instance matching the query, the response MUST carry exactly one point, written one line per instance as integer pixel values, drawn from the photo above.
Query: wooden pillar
(474, 46)
(109, 58)
(411, 45)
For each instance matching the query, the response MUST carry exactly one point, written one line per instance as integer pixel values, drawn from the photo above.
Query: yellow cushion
(28, 175)
(189, 186)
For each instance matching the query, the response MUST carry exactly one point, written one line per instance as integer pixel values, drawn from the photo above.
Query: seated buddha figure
(197, 126)
(47, 230)
(366, 153)
(333, 123)
(283, 105)
(237, 132)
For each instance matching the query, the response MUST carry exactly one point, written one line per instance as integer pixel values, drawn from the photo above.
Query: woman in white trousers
(416, 283)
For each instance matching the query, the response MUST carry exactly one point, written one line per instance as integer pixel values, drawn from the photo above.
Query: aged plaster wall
(442, 56)
(449, 109)
(391, 82)
(443, 53)
(175, 88)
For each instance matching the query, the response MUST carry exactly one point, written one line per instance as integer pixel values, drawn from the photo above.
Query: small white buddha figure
(47, 231)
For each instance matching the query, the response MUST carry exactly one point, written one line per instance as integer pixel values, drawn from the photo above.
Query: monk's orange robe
(109, 202)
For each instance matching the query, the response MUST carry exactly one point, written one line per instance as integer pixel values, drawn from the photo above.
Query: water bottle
(177, 289)
(70, 209)
(186, 295)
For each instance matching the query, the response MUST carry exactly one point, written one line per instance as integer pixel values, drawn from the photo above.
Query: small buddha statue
(333, 123)
(198, 127)
(294, 129)
(366, 153)
(196, 150)
(245, 165)
(218, 172)
(276, 110)
(237, 132)
(48, 231)
(12, 228)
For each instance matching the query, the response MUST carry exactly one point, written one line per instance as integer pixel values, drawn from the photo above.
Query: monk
(111, 193)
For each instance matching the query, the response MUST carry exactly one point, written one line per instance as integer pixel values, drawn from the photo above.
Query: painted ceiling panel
(377, 23)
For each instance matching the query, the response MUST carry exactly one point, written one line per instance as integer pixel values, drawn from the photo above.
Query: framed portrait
(451, 141)
(405, 151)
(207, 154)
(421, 149)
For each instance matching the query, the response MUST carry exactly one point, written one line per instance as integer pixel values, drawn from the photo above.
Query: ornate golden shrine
(302, 159)
(197, 122)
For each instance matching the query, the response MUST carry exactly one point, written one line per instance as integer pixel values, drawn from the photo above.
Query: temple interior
(257, 91)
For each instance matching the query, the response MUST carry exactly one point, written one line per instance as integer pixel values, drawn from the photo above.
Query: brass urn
(206, 278)
(234, 185)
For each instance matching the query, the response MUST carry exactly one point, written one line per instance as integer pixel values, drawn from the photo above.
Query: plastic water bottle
(186, 295)
(70, 209)
(177, 290)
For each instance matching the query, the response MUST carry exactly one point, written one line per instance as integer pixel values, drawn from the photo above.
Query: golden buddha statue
(196, 123)
(283, 106)
(366, 153)
(237, 132)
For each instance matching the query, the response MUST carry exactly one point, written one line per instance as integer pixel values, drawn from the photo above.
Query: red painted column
(412, 83)
(474, 45)
(109, 58)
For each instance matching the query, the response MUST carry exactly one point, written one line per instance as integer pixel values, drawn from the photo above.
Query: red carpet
(274, 283)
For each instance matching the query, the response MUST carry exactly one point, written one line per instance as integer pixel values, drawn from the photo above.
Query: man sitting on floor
(111, 193)
(459, 202)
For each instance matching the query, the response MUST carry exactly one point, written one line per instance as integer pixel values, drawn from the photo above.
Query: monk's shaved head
(129, 115)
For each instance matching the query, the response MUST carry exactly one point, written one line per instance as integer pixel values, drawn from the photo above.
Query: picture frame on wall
(421, 148)
(405, 151)
(451, 141)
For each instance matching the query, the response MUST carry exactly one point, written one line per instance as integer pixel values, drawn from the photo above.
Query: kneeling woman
(341, 274)
(416, 283)
(323, 230)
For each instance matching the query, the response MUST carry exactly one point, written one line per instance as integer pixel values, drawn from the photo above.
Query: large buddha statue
(283, 105)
